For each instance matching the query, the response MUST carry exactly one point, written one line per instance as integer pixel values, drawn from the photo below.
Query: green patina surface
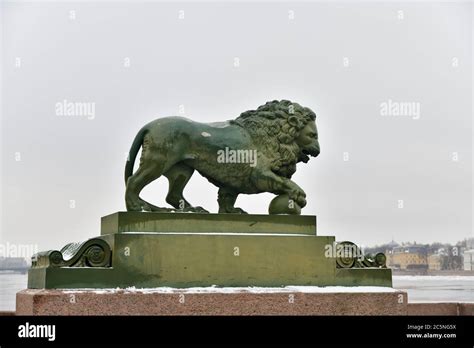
(182, 260)
(225, 223)
(188, 260)
(174, 249)
(254, 153)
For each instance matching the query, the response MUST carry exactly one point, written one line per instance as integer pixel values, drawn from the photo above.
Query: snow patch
(234, 290)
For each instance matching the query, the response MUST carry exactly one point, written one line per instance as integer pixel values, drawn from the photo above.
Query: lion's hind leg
(150, 169)
(178, 176)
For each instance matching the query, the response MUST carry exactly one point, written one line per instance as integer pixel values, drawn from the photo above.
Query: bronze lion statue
(257, 152)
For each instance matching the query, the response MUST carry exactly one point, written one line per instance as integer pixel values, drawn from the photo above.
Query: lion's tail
(132, 154)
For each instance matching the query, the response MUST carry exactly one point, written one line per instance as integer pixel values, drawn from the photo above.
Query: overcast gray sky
(379, 176)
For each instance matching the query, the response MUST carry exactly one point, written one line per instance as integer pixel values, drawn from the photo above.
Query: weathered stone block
(225, 223)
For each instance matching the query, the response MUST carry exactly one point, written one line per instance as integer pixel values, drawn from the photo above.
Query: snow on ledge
(234, 290)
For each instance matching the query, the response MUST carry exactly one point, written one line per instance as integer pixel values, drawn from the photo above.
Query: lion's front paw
(301, 201)
(299, 197)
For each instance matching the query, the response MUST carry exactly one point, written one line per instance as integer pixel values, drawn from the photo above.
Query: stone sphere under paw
(284, 205)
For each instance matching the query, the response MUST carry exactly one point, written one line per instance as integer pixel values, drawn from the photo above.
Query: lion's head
(285, 131)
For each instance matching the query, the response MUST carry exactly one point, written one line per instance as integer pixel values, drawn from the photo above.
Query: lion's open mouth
(303, 158)
(305, 153)
(314, 151)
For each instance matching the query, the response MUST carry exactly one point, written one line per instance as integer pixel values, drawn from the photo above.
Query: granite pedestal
(225, 301)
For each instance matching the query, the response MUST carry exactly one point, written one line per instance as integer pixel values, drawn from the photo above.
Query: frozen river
(436, 288)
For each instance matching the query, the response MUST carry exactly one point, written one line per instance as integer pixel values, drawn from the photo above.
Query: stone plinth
(149, 260)
(183, 250)
(121, 221)
(214, 301)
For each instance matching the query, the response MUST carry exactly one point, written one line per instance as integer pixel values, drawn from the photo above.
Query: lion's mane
(274, 133)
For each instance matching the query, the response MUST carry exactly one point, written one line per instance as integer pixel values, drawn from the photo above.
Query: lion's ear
(293, 121)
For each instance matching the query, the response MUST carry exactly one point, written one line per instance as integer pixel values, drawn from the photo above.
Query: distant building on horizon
(433, 257)
(13, 263)
(435, 262)
(468, 262)
(411, 257)
(392, 245)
